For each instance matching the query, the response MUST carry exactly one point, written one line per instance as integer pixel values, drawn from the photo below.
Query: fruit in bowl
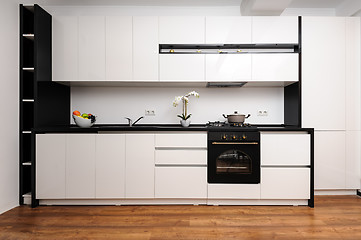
(84, 120)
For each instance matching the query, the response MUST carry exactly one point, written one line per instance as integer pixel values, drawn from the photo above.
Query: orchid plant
(185, 100)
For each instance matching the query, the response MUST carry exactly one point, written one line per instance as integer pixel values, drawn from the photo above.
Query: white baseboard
(336, 192)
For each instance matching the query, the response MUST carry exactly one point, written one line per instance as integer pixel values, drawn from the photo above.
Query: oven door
(233, 162)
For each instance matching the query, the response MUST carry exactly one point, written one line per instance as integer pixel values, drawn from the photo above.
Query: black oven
(233, 157)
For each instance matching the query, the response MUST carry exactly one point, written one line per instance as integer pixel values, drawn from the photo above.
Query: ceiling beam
(263, 7)
(348, 8)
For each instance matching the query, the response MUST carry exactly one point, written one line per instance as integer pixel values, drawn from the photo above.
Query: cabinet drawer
(181, 182)
(181, 157)
(234, 191)
(194, 140)
(288, 149)
(285, 183)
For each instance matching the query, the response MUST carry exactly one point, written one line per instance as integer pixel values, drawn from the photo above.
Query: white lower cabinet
(80, 166)
(181, 182)
(139, 167)
(285, 148)
(50, 166)
(285, 183)
(234, 191)
(330, 152)
(110, 166)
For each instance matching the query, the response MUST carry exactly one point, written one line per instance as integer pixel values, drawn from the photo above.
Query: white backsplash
(113, 104)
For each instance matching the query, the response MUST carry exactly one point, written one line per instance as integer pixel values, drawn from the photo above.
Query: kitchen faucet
(131, 123)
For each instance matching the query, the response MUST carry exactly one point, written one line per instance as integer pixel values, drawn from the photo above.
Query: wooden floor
(334, 217)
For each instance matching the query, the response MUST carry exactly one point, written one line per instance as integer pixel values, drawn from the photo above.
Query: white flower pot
(185, 123)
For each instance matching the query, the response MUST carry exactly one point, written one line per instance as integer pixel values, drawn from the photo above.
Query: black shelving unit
(42, 102)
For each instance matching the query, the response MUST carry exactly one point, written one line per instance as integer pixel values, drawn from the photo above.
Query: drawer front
(181, 157)
(181, 182)
(181, 140)
(287, 149)
(285, 183)
(234, 191)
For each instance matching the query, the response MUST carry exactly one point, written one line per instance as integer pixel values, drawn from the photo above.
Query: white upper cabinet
(91, 48)
(275, 67)
(228, 30)
(323, 73)
(228, 67)
(145, 48)
(353, 86)
(65, 48)
(275, 29)
(181, 67)
(118, 37)
(181, 29)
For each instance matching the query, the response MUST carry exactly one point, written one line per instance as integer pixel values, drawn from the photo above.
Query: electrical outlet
(262, 113)
(149, 112)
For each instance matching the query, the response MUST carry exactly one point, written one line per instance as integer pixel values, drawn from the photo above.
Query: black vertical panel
(42, 44)
(52, 104)
(21, 140)
(292, 105)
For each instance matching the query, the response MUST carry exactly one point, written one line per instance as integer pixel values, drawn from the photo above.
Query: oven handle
(234, 143)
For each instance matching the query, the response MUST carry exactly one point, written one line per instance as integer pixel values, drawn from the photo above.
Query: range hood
(225, 84)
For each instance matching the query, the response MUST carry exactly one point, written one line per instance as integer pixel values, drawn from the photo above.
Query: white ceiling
(143, 2)
(247, 7)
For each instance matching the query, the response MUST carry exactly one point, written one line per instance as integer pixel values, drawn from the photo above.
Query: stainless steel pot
(236, 117)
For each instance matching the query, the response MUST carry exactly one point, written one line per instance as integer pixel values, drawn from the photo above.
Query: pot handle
(224, 115)
(247, 116)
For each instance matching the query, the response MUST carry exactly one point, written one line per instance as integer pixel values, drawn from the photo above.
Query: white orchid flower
(185, 100)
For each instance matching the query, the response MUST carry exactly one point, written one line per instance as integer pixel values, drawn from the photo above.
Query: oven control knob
(234, 137)
(244, 137)
(224, 137)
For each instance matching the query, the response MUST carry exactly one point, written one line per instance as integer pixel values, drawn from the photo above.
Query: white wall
(9, 105)
(111, 105)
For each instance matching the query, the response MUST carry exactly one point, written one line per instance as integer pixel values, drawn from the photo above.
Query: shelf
(28, 100)
(26, 164)
(29, 36)
(155, 83)
(26, 132)
(29, 69)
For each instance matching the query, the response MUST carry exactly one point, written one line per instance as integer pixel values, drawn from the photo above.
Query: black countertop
(159, 127)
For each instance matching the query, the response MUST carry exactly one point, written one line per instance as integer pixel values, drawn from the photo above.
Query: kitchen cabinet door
(50, 166)
(287, 149)
(228, 30)
(353, 156)
(181, 29)
(145, 48)
(91, 48)
(65, 48)
(118, 41)
(330, 162)
(275, 29)
(181, 140)
(275, 67)
(80, 166)
(139, 174)
(285, 183)
(110, 166)
(234, 191)
(181, 67)
(224, 67)
(181, 182)
(323, 73)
